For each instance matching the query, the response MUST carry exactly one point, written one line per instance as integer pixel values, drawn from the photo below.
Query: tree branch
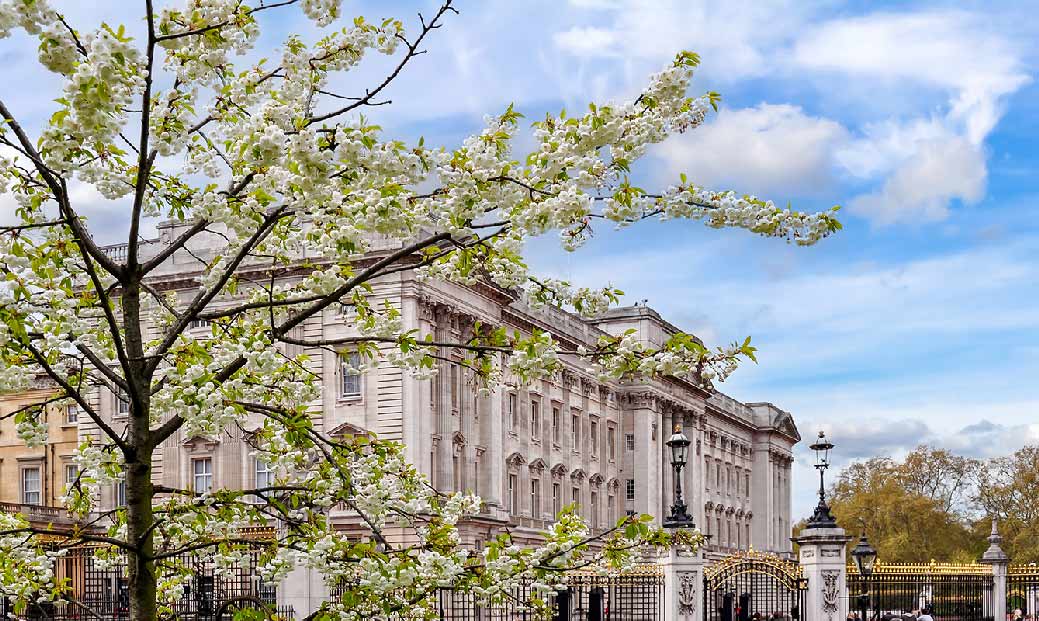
(412, 52)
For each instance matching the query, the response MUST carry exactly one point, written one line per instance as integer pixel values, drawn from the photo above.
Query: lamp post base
(683, 520)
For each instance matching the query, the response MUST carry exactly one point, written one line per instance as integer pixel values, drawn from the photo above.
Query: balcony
(117, 252)
(39, 514)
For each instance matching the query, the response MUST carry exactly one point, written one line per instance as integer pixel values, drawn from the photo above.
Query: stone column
(823, 561)
(996, 558)
(304, 589)
(683, 585)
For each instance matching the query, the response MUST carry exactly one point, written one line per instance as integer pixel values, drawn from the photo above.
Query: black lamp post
(865, 556)
(822, 518)
(679, 445)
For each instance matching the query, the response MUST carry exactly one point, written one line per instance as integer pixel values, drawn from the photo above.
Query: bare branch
(412, 53)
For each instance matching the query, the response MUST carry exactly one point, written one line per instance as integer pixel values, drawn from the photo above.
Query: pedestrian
(925, 615)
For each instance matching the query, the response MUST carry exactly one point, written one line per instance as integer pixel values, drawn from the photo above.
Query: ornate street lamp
(865, 556)
(679, 445)
(822, 518)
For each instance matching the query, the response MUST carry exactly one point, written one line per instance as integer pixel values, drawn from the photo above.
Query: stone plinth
(683, 585)
(822, 558)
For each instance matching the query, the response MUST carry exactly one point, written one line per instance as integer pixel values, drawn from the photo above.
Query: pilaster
(683, 584)
(822, 559)
(996, 558)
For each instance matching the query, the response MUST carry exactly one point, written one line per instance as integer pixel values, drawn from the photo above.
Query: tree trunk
(139, 517)
(142, 578)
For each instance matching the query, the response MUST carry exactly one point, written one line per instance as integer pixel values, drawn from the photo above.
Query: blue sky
(918, 323)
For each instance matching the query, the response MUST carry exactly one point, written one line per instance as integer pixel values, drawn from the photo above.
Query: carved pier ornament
(831, 591)
(686, 593)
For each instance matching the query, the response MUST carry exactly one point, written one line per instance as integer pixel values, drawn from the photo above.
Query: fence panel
(636, 596)
(949, 592)
(1023, 590)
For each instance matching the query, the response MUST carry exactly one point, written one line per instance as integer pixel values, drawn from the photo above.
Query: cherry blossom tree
(176, 125)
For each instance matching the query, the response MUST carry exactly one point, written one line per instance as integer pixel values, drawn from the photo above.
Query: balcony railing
(39, 513)
(117, 252)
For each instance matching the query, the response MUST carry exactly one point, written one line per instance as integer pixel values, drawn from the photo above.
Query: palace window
(510, 412)
(593, 430)
(71, 474)
(594, 501)
(31, 491)
(513, 493)
(71, 414)
(264, 475)
(122, 402)
(575, 497)
(120, 493)
(535, 498)
(575, 430)
(629, 489)
(557, 423)
(535, 419)
(629, 442)
(350, 375)
(557, 498)
(202, 470)
(611, 442)
(611, 510)
(455, 388)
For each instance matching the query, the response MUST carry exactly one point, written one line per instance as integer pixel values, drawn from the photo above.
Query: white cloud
(948, 49)
(733, 38)
(586, 41)
(767, 150)
(923, 186)
(933, 160)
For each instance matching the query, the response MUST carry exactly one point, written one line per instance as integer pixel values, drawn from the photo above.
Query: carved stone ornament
(831, 592)
(687, 593)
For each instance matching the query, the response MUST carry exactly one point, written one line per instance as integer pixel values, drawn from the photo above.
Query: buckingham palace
(526, 450)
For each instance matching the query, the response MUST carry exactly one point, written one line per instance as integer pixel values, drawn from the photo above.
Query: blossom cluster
(26, 569)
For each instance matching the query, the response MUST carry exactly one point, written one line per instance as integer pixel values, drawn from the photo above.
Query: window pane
(350, 370)
(31, 486)
(203, 470)
(71, 473)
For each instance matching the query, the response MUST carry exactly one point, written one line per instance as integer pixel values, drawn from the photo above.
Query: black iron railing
(948, 592)
(636, 596)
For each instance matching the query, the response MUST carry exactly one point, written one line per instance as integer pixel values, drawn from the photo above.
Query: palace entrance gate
(752, 582)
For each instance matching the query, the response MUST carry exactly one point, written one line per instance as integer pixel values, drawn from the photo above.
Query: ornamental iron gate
(1023, 590)
(949, 592)
(754, 583)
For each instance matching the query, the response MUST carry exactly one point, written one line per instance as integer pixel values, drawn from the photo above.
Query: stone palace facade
(526, 450)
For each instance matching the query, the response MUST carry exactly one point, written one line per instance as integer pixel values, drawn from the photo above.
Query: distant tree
(914, 510)
(1008, 490)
